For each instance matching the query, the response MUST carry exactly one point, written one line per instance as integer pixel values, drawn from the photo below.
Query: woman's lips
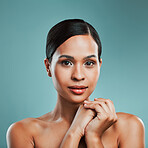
(78, 90)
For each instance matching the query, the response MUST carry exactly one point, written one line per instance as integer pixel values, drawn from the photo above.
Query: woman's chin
(78, 99)
(74, 98)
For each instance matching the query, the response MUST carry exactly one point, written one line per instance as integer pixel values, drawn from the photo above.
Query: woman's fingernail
(85, 104)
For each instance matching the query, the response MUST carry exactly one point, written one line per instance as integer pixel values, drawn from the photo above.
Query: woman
(73, 61)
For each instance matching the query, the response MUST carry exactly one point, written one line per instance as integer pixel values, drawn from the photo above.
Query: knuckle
(104, 117)
(115, 118)
(100, 103)
(111, 118)
(101, 98)
(96, 105)
(109, 101)
(107, 116)
(91, 113)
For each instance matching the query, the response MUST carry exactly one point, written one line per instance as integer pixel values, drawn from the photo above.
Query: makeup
(78, 90)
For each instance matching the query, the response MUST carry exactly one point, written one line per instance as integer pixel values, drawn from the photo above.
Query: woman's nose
(77, 73)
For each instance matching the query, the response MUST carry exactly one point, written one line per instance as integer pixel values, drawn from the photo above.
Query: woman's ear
(47, 65)
(100, 63)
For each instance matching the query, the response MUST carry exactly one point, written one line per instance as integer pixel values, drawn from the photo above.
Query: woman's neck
(65, 110)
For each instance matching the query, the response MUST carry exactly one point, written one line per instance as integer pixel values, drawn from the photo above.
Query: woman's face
(75, 68)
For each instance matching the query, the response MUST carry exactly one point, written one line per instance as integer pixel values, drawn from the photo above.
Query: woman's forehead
(79, 44)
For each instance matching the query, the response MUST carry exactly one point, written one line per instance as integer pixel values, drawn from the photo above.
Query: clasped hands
(93, 118)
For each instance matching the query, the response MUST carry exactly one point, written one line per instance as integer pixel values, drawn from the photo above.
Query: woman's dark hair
(62, 31)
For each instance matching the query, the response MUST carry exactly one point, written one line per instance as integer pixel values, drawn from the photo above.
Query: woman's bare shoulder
(130, 127)
(22, 133)
(28, 126)
(25, 126)
(125, 119)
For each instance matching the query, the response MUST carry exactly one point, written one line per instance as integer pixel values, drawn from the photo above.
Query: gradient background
(25, 88)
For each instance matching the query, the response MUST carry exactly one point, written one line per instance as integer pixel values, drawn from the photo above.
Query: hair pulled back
(62, 31)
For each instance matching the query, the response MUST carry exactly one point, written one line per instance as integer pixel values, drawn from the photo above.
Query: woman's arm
(71, 139)
(18, 137)
(93, 141)
(132, 132)
(76, 130)
(105, 117)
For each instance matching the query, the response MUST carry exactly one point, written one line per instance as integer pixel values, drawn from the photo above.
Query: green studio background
(25, 88)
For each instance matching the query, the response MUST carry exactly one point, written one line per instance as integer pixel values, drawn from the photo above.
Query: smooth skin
(76, 121)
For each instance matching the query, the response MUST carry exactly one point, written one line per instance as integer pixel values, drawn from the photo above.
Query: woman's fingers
(108, 102)
(99, 110)
(105, 117)
(94, 106)
(102, 107)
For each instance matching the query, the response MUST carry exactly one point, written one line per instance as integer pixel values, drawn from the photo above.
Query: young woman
(73, 62)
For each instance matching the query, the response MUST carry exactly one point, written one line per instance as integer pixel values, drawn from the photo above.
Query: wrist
(75, 131)
(92, 137)
(93, 141)
(92, 134)
(71, 138)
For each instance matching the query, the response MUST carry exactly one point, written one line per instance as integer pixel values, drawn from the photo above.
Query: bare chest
(52, 138)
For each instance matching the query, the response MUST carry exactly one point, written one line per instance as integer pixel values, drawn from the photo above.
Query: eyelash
(64, 63)
(91, 62)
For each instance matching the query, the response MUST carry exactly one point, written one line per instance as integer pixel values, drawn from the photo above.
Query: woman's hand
(105, 116)
(81, 119)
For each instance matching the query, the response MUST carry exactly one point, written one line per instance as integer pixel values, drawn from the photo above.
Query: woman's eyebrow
(66, 56)
(90, 56)
(70, 57)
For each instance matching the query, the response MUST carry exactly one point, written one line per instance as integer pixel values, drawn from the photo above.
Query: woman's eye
(66, 63)
(89, 63)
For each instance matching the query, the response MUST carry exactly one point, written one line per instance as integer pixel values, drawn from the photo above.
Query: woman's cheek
(94, 76)
(61, 75)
